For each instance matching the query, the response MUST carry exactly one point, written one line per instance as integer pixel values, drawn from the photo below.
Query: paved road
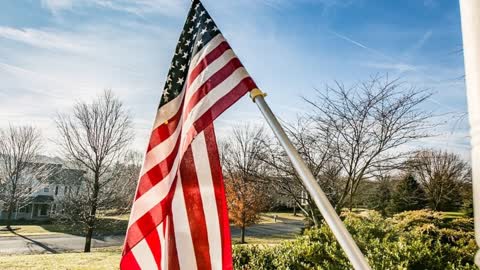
(65, 242)
(280, 228)
(52, 243)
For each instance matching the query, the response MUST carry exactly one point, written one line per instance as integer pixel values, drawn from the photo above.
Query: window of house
(56, 190)
(22, 210)
(46, 189)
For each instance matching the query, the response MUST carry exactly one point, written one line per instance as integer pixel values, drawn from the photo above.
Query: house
(42, 198)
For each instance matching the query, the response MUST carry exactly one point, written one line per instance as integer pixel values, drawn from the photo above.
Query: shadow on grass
(40, 244)
(105, 226)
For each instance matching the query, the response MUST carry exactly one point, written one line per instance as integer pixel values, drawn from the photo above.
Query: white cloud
(57, 5)
(398, 67)
(141, 7)
(137, 7)
(60, 67)
(42, 39)
(178, 7)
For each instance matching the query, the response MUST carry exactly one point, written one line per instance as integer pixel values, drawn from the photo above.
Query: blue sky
(55, 52)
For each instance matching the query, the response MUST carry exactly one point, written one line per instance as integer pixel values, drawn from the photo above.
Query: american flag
(179, 217)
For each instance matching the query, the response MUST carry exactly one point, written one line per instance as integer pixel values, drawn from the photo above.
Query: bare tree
(317, 157)
(18, 172)
(363, 127)
(125, 185)
(94, 138)
(442, 176)
(247, 192)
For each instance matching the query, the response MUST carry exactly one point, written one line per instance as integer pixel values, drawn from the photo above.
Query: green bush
(410, 240)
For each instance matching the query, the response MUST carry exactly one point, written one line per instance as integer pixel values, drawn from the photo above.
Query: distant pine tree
(381, 197)
(408, 195)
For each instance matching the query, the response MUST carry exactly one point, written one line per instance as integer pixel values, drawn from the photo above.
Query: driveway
(58, 243)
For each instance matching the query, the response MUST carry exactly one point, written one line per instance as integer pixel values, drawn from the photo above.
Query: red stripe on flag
(129, 262)
(222, 210)
(165, 130)
(195, 212)
(149, 222)
(156, 174)
(203, 64)
(212, 82)
(153, 241)
(173, 263)
(221, 105)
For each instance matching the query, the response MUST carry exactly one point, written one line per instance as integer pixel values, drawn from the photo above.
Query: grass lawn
(98, 259)
(107, 225)
(281, 217)
(266, 218)
(29, 230)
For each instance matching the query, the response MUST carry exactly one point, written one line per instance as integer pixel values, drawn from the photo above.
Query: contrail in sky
(361, 45)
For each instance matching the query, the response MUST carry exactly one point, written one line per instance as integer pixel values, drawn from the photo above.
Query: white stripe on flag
(168, 110)
(213, 96)
(183, 236)
(208, 72)
(143, 255)
(161, 151)
(163, 244)
(154, 195)
(214, 42)
(207, 192)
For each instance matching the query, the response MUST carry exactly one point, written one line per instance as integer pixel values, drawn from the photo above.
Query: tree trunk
(242, 234)
(9, 214)
(88, 239)
(295, 210)
(313, 217)
(9, 218)
(93, 212)
(11, 206)
(350, 207)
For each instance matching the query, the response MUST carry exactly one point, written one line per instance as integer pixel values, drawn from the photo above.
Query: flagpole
(470, 15)
(333, 220)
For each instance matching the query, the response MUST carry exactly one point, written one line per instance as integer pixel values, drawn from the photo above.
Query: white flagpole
(336, 225)
(470, 14)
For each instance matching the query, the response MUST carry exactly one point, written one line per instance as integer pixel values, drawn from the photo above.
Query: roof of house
(42, 199)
